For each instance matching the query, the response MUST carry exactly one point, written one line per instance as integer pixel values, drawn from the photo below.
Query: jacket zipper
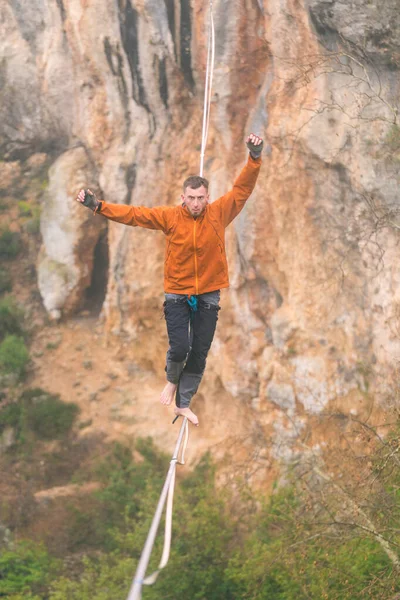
(195, 258)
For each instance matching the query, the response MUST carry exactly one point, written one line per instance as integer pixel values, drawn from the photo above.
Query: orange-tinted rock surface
(113, 93)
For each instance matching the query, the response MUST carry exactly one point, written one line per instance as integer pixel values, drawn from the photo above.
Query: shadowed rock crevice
(128, 20)
(130, 181)
(96, 292)
(170, 6)
(329, 37)
(185, 42)
(163, 81)
(115, 62)
(61, 7)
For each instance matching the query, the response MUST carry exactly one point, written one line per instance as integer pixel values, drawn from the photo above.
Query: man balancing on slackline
(195, 268)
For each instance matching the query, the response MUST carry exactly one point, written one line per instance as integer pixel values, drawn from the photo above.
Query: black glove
(254, 150)
(90, 200)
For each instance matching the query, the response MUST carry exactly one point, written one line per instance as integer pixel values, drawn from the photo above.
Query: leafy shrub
(30, 217)
(10, 416)
(264, 554)
(14, 355)
(24, 596)
(4, 203)
(107, 578)
(24, 208)
(5, 281)
(32, 225)
(202, 536)
(10, 243)
(128, 486)
(46, 416)
(40, 414)
(25, 569)
(11, 317)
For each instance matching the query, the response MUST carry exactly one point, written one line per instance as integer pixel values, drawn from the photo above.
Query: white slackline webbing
(139, 580)
(168, 514)
(207, 89)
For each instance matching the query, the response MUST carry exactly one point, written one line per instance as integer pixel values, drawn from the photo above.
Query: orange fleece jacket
(195, 258)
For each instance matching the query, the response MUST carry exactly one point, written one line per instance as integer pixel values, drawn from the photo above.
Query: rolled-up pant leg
(204, 325)
(177, 316)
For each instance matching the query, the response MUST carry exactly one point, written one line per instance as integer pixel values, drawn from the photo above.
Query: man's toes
(192, 418)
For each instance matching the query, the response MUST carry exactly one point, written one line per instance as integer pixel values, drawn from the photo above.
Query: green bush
(30, 215)
(25, 570)
(284, 547)
(38, 414)
(24, 596)
(10, 416)
(201, 539)
(10, 243)
(204, 538)
(24, 208)
(127, 485)
(5, 281)
(46, 416)
(106, 578)
(11, 317)
(32, 225)
(14, 355)
(264, 554)
(4, 203)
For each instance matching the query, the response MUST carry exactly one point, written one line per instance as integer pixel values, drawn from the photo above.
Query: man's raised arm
(136, 216)
(230, 205)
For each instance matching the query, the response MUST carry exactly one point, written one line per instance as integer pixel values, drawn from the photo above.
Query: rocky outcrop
(113, 92)
(69, 234)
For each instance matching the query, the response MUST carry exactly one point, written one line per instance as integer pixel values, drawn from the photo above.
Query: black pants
(190, 336)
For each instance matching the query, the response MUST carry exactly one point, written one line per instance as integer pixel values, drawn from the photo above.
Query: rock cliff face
(112, 92)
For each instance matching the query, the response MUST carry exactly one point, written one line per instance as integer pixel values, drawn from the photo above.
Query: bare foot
(186, 412)
(168, 393)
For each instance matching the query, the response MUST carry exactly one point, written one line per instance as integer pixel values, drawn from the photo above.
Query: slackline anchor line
(140, 578)
(207, 89)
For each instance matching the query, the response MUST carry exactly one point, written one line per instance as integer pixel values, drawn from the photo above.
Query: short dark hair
(194, 182)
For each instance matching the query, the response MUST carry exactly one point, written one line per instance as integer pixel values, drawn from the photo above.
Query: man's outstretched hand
(255, 145)
(88, 199)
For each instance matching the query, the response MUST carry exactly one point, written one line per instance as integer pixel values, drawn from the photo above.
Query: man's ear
(182, 199)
